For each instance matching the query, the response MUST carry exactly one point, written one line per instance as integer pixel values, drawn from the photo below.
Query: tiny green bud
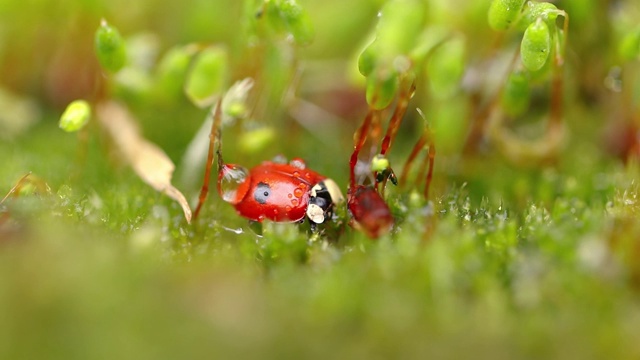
(428, 40)
(380, 163)
(110, 48)
(629, 48)
(535, 46)
(446, 66)
(400, 24)
(256, 140)
(172, 70)
(534, 10)
(382, 87)
(296, 21)
(502, 13)
(367, 59)
(75, 116)
(207, 76)
(516, 94)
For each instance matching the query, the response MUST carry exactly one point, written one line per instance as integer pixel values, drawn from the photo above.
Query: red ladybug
(272, 190)
(278, 192)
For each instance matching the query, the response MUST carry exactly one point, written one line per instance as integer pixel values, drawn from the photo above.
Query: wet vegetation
(522, 240)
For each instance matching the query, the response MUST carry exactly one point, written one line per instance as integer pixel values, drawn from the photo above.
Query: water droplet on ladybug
(230, 179)
(298, 192)
(287, 208)
(289, 195)
(299, 163)
(294, 202)
(296, 174)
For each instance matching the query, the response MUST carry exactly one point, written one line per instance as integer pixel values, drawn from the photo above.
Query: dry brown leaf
(149, 162)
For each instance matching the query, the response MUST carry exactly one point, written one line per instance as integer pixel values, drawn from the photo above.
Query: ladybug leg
(216, 113)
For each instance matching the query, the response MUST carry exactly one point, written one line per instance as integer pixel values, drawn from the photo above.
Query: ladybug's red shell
(278, 192)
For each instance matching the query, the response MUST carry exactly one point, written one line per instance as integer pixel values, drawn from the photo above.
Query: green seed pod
(207, 76)
(172, 71)
(400, 24)
(367, 59)
(110, 48)
(535, 46)
(502, 13)
(534, 10)
(381, 89)
(516, 94)
(296, 21)
(75, 116)
(629, 48)
(446, 66)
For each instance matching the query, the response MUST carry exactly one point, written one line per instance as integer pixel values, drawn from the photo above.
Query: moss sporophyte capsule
(502, 13)
(75, 116)
(207, 76)
(110, 48)
(535, 45)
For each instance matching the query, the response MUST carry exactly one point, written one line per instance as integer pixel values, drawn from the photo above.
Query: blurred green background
(538, 261)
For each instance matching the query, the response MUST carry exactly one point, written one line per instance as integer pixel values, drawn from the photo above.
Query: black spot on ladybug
(262, 192)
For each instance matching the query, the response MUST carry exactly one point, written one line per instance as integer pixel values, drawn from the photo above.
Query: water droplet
(298, 192)
(299, 163)
(289, 195)
(287, 208)
(296, 174)
(294, 202)
(229, 179)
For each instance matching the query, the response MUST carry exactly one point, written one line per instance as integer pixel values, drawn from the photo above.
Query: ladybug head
(233, 183)
(323, 196)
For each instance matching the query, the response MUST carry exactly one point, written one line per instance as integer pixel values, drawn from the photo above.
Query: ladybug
(278, 192)
(274, 190)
